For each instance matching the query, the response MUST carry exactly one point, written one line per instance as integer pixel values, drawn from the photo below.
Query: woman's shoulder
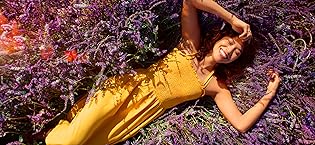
(215, 86)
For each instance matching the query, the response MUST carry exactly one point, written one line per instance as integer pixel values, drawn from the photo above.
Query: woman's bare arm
(212, 7)
(190, 25)
(243, 122)
(189, 20)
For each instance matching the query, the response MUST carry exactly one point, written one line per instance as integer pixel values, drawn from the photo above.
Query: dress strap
(207, 81)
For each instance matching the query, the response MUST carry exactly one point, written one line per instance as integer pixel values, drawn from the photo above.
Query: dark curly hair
(235, 69)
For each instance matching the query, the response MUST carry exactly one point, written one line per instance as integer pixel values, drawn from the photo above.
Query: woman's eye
(230, 42)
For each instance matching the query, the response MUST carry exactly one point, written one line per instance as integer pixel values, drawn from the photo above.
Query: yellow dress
(129, 102)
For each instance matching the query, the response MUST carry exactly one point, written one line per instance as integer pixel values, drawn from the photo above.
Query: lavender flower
(115, 37)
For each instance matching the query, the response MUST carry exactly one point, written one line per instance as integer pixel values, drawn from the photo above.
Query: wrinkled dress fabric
(129, 102)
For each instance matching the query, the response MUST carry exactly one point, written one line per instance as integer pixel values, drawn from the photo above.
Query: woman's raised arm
(190, 25)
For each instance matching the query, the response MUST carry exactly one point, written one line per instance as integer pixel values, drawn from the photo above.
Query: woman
(129, 102)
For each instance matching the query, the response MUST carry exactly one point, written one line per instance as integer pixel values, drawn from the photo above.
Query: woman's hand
(273, 82)
(241, 27)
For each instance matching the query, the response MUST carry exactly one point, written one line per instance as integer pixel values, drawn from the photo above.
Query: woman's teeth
(223, 53)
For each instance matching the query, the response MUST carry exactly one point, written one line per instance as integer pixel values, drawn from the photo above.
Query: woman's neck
(208, 63)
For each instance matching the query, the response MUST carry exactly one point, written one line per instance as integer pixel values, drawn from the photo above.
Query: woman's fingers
(269, 72)
(243, 28)
(273, 75)
(277, 77)
(246, 35)
(243, 34)
(249, 34)
(245, 31)
(273, 82)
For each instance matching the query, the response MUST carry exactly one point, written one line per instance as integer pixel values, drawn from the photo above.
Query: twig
(298, 56)
(311, 37)
(275, 42)
(100, 44)
(156, 4)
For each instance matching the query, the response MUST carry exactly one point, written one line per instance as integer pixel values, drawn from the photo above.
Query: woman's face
(227, 49)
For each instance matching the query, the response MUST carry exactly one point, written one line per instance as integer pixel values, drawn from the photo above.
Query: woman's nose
(230, 50)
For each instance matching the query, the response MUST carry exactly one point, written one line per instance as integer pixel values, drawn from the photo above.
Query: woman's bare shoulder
(215, 86)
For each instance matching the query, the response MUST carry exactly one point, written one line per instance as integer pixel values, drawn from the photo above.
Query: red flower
(71, 55)
(15, 30)
(45, 53)
(3, 19)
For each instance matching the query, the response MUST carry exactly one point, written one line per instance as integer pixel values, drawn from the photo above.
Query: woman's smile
(223, 53)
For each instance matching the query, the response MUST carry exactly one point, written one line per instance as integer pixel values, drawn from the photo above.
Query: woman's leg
(101, 107)
(99, 111)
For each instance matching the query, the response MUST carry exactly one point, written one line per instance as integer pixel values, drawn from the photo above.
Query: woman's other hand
(273, 82)
(241, 27)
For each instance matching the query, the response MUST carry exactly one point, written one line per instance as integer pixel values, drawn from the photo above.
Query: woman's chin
(222, 61)
(219, 59)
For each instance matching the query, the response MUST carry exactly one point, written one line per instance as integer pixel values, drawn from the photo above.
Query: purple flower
(15, 143)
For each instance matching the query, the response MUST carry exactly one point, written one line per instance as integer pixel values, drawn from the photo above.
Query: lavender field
(54, 52)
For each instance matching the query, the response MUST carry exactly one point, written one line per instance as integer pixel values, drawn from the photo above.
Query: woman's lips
(223, 54)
